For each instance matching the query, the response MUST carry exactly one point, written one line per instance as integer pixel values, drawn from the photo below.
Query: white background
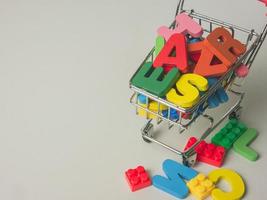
(67, 130)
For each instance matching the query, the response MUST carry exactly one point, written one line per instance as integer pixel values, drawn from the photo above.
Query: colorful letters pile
(186, 64)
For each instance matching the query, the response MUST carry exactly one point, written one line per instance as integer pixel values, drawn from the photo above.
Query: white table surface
(67, 130)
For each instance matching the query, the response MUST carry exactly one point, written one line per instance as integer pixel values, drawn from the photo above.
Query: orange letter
(224, 46)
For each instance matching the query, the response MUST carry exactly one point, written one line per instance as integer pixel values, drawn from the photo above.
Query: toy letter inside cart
(195, 63)
(179, 79)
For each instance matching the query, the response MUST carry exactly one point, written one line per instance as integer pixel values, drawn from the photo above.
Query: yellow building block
(153, 106)
(200, 186)
(188, 87)
(235, 181)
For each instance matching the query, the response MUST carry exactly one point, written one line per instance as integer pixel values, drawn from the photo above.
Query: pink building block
(137, 178)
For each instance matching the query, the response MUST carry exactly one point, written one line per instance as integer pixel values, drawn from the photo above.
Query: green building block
(229, 133)
(153, 79)
(241, 146)
(160, 42)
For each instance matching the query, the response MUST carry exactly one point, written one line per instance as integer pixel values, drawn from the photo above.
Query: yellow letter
(235, 180)
(188, 85)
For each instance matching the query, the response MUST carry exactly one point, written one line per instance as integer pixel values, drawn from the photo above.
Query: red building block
(190, 143)
(207, 153)
(137, 178)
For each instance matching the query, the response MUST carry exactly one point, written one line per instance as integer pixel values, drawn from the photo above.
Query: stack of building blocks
(229, 134)
(137, 178)
(200, 186)
(207, 153)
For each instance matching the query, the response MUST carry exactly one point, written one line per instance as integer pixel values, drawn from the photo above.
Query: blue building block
(173, 114)
(174, 183)
(142, 99)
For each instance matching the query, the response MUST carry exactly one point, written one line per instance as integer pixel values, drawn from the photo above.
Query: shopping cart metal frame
(230, 81)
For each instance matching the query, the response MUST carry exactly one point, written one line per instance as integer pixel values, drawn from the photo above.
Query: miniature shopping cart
(230, 82)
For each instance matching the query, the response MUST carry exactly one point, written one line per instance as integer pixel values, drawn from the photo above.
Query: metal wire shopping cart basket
(253, 41)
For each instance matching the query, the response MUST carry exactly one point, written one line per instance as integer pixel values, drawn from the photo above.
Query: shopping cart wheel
(147, 130)
(236, 114)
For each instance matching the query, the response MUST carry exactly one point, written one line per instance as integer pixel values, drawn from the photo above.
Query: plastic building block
(173, 54)
(241, 146)
(224, 46)
(220, 96)
(154, 107)
(137, 178)
(154, 81)
(190, 143)
(160, 42)
(207, 153)
(229, 134)
(205, 65)
(174, 183)
(235, 181)
(200, 186)
(142, 99)
(184, 25)
(242, 71)
(173, 114)
(188, 86)
(210, 153)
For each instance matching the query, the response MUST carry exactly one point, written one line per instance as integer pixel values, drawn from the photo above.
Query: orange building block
(224, 46)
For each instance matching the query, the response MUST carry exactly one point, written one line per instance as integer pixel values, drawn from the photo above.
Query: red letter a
(173, 54)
